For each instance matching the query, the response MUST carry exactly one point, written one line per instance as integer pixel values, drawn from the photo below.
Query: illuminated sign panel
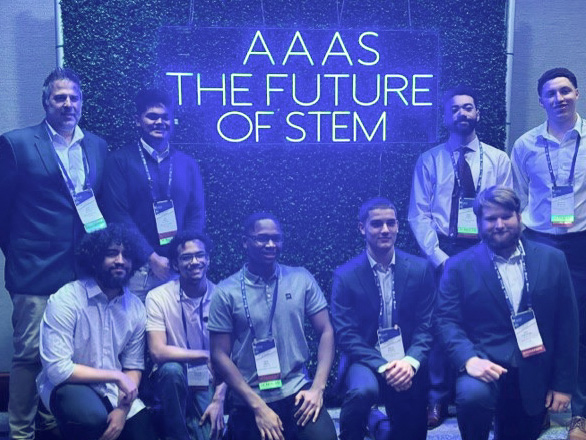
(287, 86)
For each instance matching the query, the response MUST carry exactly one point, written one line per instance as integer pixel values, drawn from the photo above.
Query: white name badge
(467, 227)
(527, 333)
(88, 211)
(198, 376)
(166, 220)
(562, 206)
(267, 363)
(390, 344)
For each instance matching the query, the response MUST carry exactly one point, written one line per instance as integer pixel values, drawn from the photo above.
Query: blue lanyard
(182, 295)
(572, 169)
(247, 310)
(394, 312)
(455, 167)
(525, 287)
(149, 177)
(68, 181)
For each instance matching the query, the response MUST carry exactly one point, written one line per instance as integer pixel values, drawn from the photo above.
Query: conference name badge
(467, 227)
(527, 333)
(562, 206)
(166, 220)
(88, 211)
(390, 342)
(267, 363)
(198, 376)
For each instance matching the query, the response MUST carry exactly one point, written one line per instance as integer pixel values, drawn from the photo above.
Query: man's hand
(269, 424)
(160, 266)
(215, 414)
(484, 370)
(127, 389)
(116, 421)
(399, 374)
(557, 401)
(311, 406)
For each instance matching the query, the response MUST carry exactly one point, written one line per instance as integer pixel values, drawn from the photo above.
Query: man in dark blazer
(502, 280)
(375, 294)
(42, 169)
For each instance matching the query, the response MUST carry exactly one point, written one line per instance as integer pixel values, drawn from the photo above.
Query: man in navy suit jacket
(42, 168)
(382, 302)
(486, 292)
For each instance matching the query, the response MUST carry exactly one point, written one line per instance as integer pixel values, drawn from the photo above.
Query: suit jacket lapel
(46, 152)
(533, 263)
(401, 276)
(89, 150)
(365, 276)
(489, 276)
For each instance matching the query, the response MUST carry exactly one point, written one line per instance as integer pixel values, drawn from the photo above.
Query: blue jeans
(181, 406)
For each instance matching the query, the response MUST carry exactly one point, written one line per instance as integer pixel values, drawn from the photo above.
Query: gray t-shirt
(299, 296)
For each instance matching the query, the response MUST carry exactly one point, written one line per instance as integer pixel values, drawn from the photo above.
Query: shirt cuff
(438, 257)
(413, 362)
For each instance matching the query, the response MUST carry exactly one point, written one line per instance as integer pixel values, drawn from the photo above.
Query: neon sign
(275, 86)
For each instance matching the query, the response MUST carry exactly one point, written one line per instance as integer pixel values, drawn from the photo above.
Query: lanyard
(247, 310)
(150, 179)
(68, 181)
(457, 175)
(203, 339)
(525, 287)
(572, 169)
(394, 312)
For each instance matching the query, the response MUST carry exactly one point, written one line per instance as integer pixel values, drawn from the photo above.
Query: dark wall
(315, 190)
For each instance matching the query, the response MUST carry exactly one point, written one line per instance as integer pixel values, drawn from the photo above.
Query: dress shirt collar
(578, 129)
(452, 145)
(257, 279)
(57, 139)
(513, 259)
(93, 290)
(377, 266)
(159, 157)
(182, 296)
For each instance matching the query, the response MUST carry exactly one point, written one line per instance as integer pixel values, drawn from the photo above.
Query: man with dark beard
(507, 315)
(445, 181)
(92, 344)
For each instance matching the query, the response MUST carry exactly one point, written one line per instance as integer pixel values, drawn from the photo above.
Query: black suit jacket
(39, 226)
(474, 320)
(356, 305)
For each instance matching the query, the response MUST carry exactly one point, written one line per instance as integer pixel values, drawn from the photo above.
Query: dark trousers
(478, 402)
(181, 407)
(574, 247)
(83, 414)
(406, 410)
(242, 424)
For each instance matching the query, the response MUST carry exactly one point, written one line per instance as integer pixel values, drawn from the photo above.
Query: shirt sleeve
(56, 343)
(315, 300)
(155, 314)
(220, 318)
(520, 178)
(420, 215)
(132, 356)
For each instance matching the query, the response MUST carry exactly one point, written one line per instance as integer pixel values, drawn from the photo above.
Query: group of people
(106, 259)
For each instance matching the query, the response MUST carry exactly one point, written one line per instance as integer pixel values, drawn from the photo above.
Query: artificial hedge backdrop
(315, 190)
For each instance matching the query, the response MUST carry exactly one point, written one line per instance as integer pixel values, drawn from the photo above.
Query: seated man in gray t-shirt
(258, 345)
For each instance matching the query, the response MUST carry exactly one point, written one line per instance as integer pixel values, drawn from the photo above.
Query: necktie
(466, 190)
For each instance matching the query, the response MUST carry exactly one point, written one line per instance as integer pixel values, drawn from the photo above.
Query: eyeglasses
(188, 258)
(265, 238)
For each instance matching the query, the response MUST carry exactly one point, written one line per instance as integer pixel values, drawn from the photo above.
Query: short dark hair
(183, 237)
(147, 98)
(460, 89)
(59, 73)
(555, 73)
(91, 251)
(374, 203)
(496, 195)
(250, 221)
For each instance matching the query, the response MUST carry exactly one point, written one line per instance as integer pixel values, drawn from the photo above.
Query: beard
(463, 129)
(496, 242)
(106, 279)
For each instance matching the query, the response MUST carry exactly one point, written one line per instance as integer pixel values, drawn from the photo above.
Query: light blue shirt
(80, 326)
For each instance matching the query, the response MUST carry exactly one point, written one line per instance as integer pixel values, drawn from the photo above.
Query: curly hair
(91, 251)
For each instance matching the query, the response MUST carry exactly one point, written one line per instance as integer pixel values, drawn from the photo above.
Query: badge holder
(527, 333)
(267, 363)
(562, 206)
(88, 211)
(390, 343)
(467, 226)
(166, 220)
(198, 376)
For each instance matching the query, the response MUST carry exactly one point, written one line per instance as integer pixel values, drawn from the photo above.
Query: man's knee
(171, 373)
(364, 394)
(473, 394)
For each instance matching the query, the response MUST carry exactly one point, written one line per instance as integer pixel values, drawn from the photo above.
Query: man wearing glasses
(178, 338)
(258, 345)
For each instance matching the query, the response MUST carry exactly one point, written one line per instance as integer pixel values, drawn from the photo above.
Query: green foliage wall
(315, 190)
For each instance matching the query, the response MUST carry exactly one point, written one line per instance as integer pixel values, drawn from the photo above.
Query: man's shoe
(577, 429)
(435, 415)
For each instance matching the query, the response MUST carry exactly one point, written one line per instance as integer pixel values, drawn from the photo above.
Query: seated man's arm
(267, 421)
(313, 398)
(161, 352)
